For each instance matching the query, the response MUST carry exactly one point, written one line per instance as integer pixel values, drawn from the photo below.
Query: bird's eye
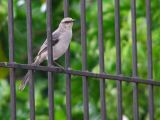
(67, 22)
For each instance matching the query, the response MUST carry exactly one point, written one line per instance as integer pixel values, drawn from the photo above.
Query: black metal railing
(119, 78)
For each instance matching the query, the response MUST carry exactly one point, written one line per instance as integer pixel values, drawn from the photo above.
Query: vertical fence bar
(149, 50)
(101, 59)
(118, 58)
(134, 60)
(68, 76)
(11, 59)
(84, 60)
(50, 61)
(30, 59)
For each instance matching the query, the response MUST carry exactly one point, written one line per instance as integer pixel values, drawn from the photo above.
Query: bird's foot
(58, 65)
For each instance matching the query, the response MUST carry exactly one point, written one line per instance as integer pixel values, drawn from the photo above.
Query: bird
(61, 39)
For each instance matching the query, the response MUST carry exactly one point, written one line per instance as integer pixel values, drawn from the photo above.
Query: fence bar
(30, 59)
(11, 59)
(134, 60)
(68, 76)
(81, 73)
(101, 60)
(50, 61)
(84, 60)
(118, 58)
(149, 50)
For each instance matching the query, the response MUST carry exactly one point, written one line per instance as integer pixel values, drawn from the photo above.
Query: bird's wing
(55, 39)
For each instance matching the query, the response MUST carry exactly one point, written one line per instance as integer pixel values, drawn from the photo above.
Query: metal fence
(135, 80)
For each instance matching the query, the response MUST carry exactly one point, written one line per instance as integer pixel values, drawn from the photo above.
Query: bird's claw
(58, 65)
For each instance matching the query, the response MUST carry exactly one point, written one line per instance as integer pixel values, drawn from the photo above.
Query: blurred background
(39, 35)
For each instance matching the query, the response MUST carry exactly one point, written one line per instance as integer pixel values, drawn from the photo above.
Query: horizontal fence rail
(84, 73)
(81, 73)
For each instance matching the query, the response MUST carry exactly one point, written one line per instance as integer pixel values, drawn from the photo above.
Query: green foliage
(39, 35)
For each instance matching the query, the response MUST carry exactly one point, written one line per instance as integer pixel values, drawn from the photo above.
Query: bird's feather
(55, 39)
(45, 47)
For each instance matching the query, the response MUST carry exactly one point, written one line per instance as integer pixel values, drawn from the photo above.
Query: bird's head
(67, 23)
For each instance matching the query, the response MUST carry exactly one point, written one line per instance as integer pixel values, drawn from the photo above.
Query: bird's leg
(58, 65)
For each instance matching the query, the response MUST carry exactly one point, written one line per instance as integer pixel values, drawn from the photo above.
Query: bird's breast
(61, 47)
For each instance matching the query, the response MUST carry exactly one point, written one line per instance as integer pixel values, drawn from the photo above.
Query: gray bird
(61, 38)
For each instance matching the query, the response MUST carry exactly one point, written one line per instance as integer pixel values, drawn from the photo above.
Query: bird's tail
(27, 77)
(25, 80)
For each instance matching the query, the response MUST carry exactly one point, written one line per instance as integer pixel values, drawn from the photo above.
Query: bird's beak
(73, 20)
